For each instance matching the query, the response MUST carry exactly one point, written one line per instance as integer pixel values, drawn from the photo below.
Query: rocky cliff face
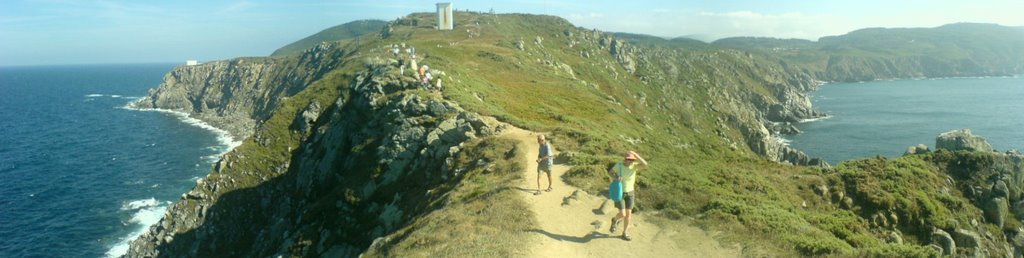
(961, 201)
(760, 97)
(339, 188)
(235, 95)
(860, 68)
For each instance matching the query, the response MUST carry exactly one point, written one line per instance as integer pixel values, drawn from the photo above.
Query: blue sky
(39, 32)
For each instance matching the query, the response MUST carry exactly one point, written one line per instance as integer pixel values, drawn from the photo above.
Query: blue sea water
(885, 117)
(81, 174)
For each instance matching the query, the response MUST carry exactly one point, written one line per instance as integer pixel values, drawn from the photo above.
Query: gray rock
(945, 241)
(966, 238)
(307, 118)
(894, 237)
(436, 108)
(847, 203)
(571, 199)
(996, 210)
(606, 208)
(961, 140)
(916, 149)
(1000, 189)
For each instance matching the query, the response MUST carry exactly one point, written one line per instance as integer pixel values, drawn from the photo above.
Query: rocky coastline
(329, 132)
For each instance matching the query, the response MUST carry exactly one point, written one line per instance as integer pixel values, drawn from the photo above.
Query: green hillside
(341, 32)
(962, 49)
(363, 158)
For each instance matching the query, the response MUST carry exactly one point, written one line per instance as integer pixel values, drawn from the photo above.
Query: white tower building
(445, 20)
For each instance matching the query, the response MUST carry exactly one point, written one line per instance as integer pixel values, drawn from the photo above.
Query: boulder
(945, 241)
(573, 198)
(1000, 189)
(304, 121)
(996, 210)
(894, 237)
(961, 140)
(966, 238)
(916, 149)
(607, 207)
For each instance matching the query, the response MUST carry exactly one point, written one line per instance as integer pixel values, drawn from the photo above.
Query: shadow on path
(584, 239)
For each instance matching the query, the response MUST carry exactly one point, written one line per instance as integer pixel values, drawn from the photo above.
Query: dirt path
(580, 230)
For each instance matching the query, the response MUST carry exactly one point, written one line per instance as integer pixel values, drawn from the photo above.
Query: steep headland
(346, 153)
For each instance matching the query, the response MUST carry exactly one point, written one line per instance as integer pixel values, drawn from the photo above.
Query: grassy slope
(670, 119)
(693, 173)
(341, 32)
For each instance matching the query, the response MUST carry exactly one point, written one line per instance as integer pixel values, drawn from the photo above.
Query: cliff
(236, 95)
(345, 153)
(360, 166)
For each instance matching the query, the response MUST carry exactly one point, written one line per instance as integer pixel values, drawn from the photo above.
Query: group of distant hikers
(422, 73)
(623, 172)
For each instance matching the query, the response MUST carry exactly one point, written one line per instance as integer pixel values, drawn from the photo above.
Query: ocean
(81, 174)
(885, 117)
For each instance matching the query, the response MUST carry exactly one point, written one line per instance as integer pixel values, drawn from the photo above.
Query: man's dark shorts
(628, 198)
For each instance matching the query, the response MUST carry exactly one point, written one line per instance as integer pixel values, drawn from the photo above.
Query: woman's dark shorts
(628, 198)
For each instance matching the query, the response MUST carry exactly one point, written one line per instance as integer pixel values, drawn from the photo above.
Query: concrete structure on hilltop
(191, 62)
(445, 20)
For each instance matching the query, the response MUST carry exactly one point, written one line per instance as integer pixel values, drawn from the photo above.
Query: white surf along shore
(147, 212)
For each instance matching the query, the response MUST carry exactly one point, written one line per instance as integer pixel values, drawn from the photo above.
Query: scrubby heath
(349, 155)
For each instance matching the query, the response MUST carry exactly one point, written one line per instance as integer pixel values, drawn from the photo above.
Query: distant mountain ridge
(952, 50)
(341, 32)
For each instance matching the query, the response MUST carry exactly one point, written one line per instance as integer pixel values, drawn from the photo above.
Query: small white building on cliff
(191, 62)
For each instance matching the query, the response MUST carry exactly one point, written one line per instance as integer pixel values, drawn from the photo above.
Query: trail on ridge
(580, 230)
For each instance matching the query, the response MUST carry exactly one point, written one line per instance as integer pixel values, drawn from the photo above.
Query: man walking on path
(625, 172)
(544, 162)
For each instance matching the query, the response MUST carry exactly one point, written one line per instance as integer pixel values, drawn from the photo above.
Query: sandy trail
(579, 230)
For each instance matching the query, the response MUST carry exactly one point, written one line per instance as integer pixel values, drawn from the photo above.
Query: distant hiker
(544, 162)
(401, 66)
(625, 172)
(413, 66)
(425, 76)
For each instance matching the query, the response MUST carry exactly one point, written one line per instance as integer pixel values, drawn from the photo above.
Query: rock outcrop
(235, 95)
(962, 140)
(990, 183)
(916, 149)
(385, 149)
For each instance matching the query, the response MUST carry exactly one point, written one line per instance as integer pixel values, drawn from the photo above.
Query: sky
(47, 32)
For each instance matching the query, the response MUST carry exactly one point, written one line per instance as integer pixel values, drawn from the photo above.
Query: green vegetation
(481, 217)
(671, 110)
(345, 31)
(688, 107)
(962, 49)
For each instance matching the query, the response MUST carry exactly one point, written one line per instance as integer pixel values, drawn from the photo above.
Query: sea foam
(808, 120)
(227, 142)
(147, 212)
(782, 141)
